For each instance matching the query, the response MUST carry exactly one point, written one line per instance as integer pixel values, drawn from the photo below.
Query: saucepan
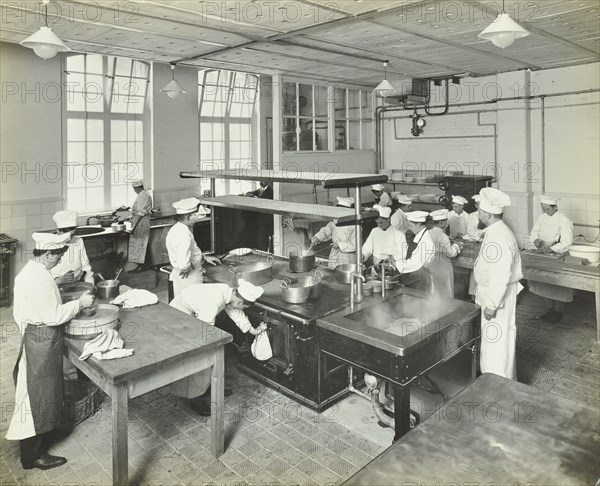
(343, 273)
(301, 289)
(257, 273)
(108, 289)
(301, 263)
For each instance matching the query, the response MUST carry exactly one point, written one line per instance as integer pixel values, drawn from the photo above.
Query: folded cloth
(261, 347)
(135, 298)
(106, 341)
(114, 354)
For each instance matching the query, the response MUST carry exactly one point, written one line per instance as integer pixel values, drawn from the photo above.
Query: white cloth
(343, 241)
(473, 232)
(556, 231)
(261, 347)
(183, 254)
(38, 302)
(422, 255)
(440, 265)
(205, 301)
(346, 202)
(399, 221)
(497, 273)
(457, 223)
(74, 260)
(106, 345)
(384, 244)
(135, 298)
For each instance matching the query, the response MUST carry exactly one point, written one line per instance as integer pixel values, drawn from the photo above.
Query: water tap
(355, 298)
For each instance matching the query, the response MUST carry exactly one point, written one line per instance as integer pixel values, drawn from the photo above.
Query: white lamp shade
(385, 88)
(503, 31)
(45, 43)
(173, 89)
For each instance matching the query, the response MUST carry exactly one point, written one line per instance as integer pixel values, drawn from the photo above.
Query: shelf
(317, 212)
(413, 183)
(325, 179)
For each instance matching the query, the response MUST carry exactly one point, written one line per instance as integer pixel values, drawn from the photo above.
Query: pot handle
(285, 283)
(270, 259)
(318, 275)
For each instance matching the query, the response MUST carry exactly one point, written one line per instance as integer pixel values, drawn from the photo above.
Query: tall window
(106, 119)
(305, 117)
(227, 101)
(353, 119)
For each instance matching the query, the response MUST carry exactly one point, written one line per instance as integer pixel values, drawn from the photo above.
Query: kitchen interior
(322, 100)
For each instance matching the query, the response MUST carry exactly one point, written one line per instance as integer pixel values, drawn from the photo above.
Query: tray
(88, 327)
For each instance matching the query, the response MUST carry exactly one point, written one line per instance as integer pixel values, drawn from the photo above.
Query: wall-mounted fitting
(418, 123)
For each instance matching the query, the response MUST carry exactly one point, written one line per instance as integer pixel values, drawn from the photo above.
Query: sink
(88, 230)
(404, 314)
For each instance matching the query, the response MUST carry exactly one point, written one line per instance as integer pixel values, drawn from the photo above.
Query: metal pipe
(358, 241)
(383, 294)
(355, 277)
(213, 188)
(351, 386)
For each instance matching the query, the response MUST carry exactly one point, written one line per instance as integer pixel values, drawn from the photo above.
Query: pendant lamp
(172, 88)
(45, 43)
(385, 88)
(503, 31)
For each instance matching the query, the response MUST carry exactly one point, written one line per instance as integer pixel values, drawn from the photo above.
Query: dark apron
(421, 279)
(44, 350)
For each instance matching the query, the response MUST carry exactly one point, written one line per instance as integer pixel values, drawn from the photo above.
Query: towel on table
(135, 298)
(107, 345)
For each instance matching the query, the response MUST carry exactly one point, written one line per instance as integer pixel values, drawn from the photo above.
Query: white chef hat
(548, 200)
(493, 201)
(50, 241)
(347, 202)
(417, 216)
(459, 200)
(187, 205)
(403, 199)
(383, 212)
(65, 219)
(439, 214)
(377, 187)
(476, 198)
(137, 183)
(248, 291)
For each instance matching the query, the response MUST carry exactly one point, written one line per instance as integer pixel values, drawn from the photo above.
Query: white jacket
(440, 265)
(399, 220)
(555, 230)
(421, 256)
(182, 248)
(472, 226)
(384, 244)
(76, 260)
(457, 223)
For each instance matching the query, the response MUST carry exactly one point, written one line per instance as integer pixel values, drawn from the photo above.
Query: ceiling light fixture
(172, 88)
(385, 88)
(503, 31)
(45, 43)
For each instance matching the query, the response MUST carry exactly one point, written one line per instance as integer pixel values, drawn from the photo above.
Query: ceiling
(342, 41)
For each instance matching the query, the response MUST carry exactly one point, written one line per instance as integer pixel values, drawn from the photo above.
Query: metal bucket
(300, 264)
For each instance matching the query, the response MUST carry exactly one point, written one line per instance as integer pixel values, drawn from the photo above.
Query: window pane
(95, 153)
(367, 106)
(321, 100)
(305, 99)
(118, 152)
(340, 103)
(123, 67)
(95, 130)
(367, 133)
(94, 175)
(135, 152)
(322, 135)
(75, 63)
(354, 135)
(119, 196)
(76, 198)
(118, 130)
(289, 99)
(75, 130)
(94, 64)
(135, 130)
(76, 153)
(353, 103)
(340, 135)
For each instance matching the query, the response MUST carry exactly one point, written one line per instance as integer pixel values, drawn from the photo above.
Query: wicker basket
(81, 401)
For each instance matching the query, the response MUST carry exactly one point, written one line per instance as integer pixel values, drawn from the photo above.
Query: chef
(265, 191)
(413, 268)
(74, 265)
(474, 230)
(205, 302)
(343, 239)
(497, 273)
(382, 198)
(457, 218)
(184, 255)
(384, 242)
(399, 219)
(140, 226)
(440, 266)
(551, 233)
(40, 313)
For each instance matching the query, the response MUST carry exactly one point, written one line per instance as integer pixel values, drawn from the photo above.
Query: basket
(81, 401)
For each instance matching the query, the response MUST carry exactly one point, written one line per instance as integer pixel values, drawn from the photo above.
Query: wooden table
(496, 431)
(168, 345)
(565, 271)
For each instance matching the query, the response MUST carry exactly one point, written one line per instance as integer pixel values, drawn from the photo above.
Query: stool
(168, 269)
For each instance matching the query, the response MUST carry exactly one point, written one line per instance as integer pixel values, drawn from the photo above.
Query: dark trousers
(32, 448)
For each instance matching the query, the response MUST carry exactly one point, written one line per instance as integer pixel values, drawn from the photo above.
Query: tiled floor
(270, 439)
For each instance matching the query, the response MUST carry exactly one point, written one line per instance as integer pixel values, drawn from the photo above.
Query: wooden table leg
(120, 397)
(217, 401)
(401, 410)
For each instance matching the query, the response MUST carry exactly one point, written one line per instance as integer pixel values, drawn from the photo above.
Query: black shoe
(46, 461)
(548, 316)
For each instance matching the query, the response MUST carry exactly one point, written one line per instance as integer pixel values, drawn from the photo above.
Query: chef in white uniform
(184, 255)
(473, 231)
(457, 218)
(40, 313)
(399, 219)
(497, 273)
(420, 253)
(343, 239)
(140, 227)
(205, 302)
(74, 264)
(382, 198)
(384, 242)
(440, 266)
(551, 233)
